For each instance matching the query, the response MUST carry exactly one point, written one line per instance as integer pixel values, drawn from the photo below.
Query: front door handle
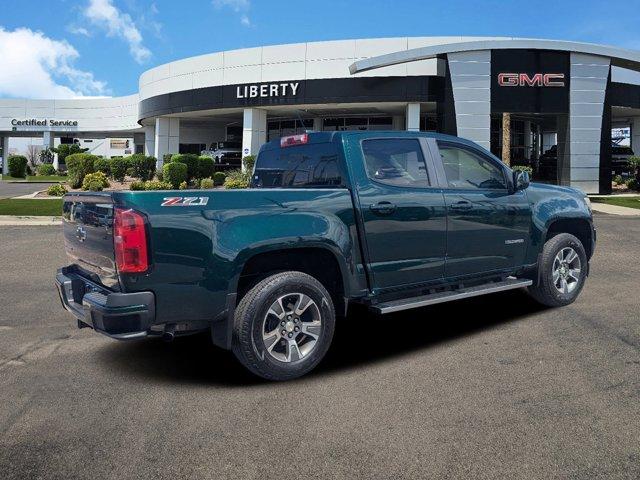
(461, 205)
(382, 208)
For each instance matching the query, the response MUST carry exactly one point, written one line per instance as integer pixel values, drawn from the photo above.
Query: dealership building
(563, 100)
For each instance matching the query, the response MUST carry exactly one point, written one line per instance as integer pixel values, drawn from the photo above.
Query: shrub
(95, 181)
(79, 165)
(159, 175)
(166, 158)
(218, 178)
(17, 166)
(190, 160)
(632, 184)
(56, 190)
(206, 183)
(29, 170)
(174, 173)
(634, 166)
(142, 167)
(155, 185)
(102, 165)
(237, 179)
(617, 180)
(46, 169)
(205, 166)
(523, 168)
(66, 149)
(248, 162)
(137, 185)
(119, 168)
(46, 155)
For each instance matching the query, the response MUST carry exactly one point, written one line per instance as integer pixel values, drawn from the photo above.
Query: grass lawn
(21, 206)
(631, 202)
(37, 178)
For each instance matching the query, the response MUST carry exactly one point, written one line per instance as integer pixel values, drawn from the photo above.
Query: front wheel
(283, 326)
(562, 271)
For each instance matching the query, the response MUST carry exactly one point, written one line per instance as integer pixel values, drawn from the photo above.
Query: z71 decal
(184, 201)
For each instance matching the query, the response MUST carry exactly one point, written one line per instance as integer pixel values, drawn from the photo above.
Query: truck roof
(327, 137)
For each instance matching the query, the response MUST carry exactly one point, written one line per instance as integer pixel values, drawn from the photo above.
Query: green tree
(65, 149)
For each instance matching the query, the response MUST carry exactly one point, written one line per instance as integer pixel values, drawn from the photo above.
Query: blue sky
(65, 48)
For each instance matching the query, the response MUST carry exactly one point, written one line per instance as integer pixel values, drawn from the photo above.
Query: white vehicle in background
(225, 154)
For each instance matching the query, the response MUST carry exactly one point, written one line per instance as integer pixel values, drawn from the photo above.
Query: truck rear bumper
(119, 315)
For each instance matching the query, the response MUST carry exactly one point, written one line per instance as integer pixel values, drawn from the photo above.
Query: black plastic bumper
(118, 315)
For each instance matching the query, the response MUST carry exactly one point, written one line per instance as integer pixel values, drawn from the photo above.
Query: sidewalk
(614, 209)
(15, 220)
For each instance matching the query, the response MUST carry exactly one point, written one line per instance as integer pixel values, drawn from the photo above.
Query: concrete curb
(21, 220)
(615, 209)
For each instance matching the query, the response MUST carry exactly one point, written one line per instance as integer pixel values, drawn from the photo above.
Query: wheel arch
(581, 228)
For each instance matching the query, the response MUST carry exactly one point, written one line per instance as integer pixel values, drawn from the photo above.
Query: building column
(471, 84)
(587, 90)
(254, 130)
(5, 155)
(150, 141)
(397, 122)
(413, 117)
(635, 135)
(166, 138)
(317, 124)
(527, 139)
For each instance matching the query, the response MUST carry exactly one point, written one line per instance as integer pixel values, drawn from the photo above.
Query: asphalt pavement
(491, 387)
(14, 189)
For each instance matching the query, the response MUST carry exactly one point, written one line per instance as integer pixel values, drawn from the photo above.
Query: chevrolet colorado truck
(391, 220)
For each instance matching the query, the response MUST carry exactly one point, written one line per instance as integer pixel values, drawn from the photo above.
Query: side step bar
(440, 297)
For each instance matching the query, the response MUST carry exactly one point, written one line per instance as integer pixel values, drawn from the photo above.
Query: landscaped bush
(634, 165)
(46, 155)
(137, 185)
(248, 162)
(29, 170)
(79, 165)
(46, 169)
(190, 160)
(205, 166)
(95, 182)
(66, 149)
(618, 180)
(155, 185)
(102, 165)
(142, 167)
(522, 168)
(166, 158)
(119, 168)
(17, 166)
(206, 183)
(56, 190)
(218, 178)
(632, 184)
(174, 173)
(237, 179)
(183, 186)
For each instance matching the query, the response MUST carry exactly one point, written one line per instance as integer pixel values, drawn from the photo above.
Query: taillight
(130, 241)
(292, 140)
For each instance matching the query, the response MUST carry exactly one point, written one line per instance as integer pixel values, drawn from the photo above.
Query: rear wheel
(283, 326)
(562, 271)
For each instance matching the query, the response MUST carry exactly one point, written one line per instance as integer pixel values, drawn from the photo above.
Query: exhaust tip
(169, 332)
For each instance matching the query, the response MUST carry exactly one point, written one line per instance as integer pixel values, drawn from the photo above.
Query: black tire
(249, 325)
(545, 291)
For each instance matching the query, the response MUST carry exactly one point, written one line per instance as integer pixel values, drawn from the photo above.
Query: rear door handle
(461, 205)
(382, 208)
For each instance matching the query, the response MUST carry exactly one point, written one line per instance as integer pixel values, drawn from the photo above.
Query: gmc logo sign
(536, 80)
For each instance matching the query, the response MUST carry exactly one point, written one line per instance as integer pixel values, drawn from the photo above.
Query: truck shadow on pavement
(361, 339)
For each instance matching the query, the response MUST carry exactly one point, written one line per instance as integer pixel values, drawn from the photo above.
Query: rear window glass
(311, 166)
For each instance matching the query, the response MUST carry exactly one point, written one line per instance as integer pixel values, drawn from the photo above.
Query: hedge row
(79, 165)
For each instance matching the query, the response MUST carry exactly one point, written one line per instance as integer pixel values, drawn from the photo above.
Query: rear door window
(395, 161)
(305, 166)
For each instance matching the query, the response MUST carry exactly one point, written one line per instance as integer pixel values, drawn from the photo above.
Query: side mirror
(520, 180)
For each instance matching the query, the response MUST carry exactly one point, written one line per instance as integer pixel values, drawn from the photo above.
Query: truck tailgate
(88, 235)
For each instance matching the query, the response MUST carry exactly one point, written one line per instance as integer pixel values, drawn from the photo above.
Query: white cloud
(104, 14)
(76, 30)
(35, 66)
(239, 6)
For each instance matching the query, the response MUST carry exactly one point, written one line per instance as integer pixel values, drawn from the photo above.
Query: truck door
(403, 213)
(488, 223)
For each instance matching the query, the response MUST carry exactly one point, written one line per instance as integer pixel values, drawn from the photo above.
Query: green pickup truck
(390, 220)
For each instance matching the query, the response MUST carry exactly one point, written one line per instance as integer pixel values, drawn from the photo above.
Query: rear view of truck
(104, 241)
